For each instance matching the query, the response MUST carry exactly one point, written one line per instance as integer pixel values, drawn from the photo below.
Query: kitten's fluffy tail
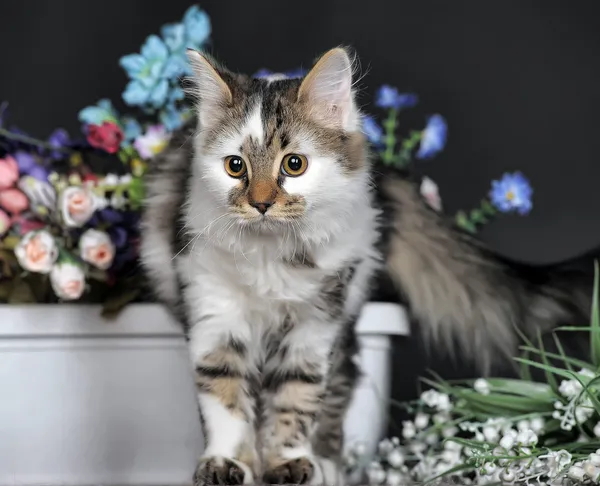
(461, 294)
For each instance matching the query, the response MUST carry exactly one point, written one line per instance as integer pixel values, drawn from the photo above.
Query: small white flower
(110, 180)
(395, 478)
(97, 249)
(586, 372)
(570, 388)
(508, 476)
(421, 420)
(408, 429)
(591, 471)
(450, 431)
(557, 461)
(595, 459)
(430, 398)
(491, 433)
(375, 473)
(440, 418)
(430, 192)
(523, 425)
(125, 179)
(527, 437)
(67, 280)
(508, 441)
(576, 472)
(77, 205)
(537, 424)
(37, 251)
(482, 386)
(444, 404)
(385, 447)
(395, 458)
(432, 439)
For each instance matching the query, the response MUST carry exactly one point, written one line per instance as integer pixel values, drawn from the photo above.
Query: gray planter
(86, 401)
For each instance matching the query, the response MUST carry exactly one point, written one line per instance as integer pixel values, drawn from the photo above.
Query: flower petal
(133, 64)
(154, 48)
(136, 93)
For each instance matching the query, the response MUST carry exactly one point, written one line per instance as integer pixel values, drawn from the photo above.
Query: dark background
(518, 82)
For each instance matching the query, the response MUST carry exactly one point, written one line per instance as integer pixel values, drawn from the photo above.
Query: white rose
(67, 280)
(97, 249)
(77, 205)
(37, 251)
(41, 195)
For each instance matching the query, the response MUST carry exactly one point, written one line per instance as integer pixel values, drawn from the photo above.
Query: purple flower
(512, 193)
(109, 215)
(388, 97)
(59, 139)
(372, 130)
(25, 161)
(433, 138)
(118, 236)
(39, 172)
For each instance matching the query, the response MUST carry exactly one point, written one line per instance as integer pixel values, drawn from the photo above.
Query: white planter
(84, 401)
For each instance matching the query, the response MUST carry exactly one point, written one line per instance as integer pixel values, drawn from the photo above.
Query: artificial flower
(13, 200)
(96, 115)
(430, 192)
(152, 142)
(197, 26)
(512, 193)
(433, 138)
(172, 118)
(5, 222)
(131, 129)
(67, 280)
(77, 205)
(388, 97)
(273, 76)
(97, 249)
(59, 139)
(148, 83)
(174, 37)
(41, 195)
(37, 251)
(107, 136)
(30, 165)
(372, 130)
(9, 172)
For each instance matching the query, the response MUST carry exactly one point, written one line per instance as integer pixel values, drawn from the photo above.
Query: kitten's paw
(294, 471)
(221, 470)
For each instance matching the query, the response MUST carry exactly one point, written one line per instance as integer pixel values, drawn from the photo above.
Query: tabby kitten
(265, 225)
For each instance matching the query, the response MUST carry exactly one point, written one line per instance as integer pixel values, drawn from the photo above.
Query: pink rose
(13, 200)
(5, 222)
(77, 205)
(9, 172)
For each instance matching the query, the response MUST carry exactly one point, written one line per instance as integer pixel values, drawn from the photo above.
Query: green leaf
(118, 300)
(506, 403)
(10, 242)
(453, 470)
(566, 359)
(20, 293)
(477, 216)
(539, 391)
(549, 376)
(525, 373)
(136, 191)
(563, 356)
(547, 368)
(595, 321)
(487, 208)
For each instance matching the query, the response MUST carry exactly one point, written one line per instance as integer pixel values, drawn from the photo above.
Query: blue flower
(131, 129)
(59, 138)
(148, 83)
(512, 193)
(174, 37)
(197, 26)
(433, 138)
(388, 97)
(95, 115)
(372, 130)
(172, 118)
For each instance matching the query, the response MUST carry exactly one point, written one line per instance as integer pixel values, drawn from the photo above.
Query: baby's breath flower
(482, 386)
(408, 429)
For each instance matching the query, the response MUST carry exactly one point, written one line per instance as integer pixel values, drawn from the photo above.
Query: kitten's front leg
(294, 384)
(220, 349)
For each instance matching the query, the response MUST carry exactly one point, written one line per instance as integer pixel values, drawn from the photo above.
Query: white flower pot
(86, 401)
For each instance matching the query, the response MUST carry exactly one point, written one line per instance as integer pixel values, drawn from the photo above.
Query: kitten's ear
(209, 87)
(327, 90)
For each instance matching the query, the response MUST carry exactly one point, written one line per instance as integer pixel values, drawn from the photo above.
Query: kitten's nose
(261, 206)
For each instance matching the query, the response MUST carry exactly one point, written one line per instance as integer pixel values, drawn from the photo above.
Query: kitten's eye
(294, 165)
(235, 166)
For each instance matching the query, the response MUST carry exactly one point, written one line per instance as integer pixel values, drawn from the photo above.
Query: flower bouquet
(503, 431)
(69, 208)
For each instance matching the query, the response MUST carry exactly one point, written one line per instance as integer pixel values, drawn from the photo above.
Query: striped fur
(269, 298)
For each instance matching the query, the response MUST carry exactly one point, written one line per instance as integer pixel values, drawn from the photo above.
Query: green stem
(390, 138)
(31, 141)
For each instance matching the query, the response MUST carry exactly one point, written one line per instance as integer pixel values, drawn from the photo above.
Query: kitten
(264, 228)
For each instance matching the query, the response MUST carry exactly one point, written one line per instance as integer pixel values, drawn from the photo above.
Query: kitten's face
(276, 152)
